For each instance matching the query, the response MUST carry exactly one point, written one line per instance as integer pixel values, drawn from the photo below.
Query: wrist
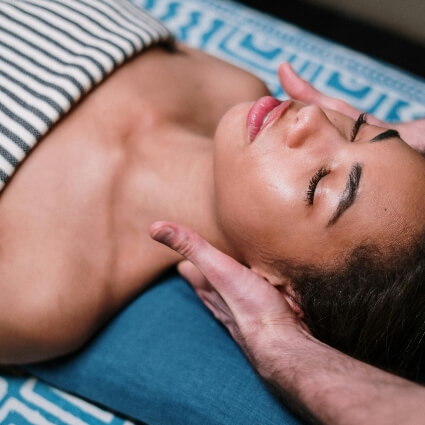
(276, 349)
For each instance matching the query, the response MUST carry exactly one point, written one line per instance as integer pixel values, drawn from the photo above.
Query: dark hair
(372, 308)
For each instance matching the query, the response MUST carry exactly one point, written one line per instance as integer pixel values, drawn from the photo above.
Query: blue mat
(156, 373)
(164, 360)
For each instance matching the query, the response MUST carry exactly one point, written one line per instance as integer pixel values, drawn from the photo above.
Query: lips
(264, 111)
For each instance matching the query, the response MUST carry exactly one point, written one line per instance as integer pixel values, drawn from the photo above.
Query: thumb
(235, 283)
(218, 268)
(242, 290)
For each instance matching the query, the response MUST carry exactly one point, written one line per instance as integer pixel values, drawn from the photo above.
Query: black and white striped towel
(52, 52)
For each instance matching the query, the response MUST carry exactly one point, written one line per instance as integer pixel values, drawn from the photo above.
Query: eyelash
(322, 172)
(362, 119)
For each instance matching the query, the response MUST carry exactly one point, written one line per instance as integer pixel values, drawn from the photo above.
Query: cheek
(236, 205)
(259, 190)
(255, 204)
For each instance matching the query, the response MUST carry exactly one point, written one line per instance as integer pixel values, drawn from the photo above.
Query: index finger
(301, 90)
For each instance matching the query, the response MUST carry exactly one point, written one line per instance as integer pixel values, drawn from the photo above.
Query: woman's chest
(94, 184)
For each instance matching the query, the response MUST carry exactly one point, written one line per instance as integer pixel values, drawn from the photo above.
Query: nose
(309, 126)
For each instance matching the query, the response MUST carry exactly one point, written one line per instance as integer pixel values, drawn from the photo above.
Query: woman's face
(303, 188)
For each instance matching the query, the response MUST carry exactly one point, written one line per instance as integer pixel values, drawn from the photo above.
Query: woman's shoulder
(185, 86)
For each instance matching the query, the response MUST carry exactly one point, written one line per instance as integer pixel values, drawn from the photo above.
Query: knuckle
(184, 245)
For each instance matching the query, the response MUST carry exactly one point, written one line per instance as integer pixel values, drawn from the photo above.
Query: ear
(284, 286)
(289, 294)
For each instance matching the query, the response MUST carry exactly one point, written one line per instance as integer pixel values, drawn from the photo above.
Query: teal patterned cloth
(26, 400)
(180, 366)
(259, 43)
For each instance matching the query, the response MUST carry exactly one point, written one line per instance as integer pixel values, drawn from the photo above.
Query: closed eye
(362, 119)
(322, 172)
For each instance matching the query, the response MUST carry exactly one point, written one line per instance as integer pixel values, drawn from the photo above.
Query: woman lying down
(327, 207)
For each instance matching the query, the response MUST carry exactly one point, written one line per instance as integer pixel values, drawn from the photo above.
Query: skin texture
(261, 187)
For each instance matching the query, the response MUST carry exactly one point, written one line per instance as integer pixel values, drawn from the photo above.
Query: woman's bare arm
(323, 384)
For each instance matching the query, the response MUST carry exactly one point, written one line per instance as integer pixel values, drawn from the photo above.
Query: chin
(231, 128)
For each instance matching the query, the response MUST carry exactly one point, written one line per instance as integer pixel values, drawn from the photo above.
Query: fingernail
(163, 235)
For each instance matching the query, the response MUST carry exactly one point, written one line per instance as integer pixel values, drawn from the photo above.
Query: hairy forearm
(336, 389)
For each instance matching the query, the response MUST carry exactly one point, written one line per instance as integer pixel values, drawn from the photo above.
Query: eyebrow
(349, 194)
(387, 134)
(350, 191)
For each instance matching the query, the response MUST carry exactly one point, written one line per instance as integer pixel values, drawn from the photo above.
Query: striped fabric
(52, 52)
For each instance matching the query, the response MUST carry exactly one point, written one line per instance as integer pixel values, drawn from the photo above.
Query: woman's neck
(178, 181)
(172, 106)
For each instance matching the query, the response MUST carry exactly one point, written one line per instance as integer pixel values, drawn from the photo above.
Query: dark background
(376, 42)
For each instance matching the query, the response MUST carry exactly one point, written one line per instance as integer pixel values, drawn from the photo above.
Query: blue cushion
(164, 361)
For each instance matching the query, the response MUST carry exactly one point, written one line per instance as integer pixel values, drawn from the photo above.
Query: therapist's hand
(256, 313)
(412, 132)
(316, 380)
